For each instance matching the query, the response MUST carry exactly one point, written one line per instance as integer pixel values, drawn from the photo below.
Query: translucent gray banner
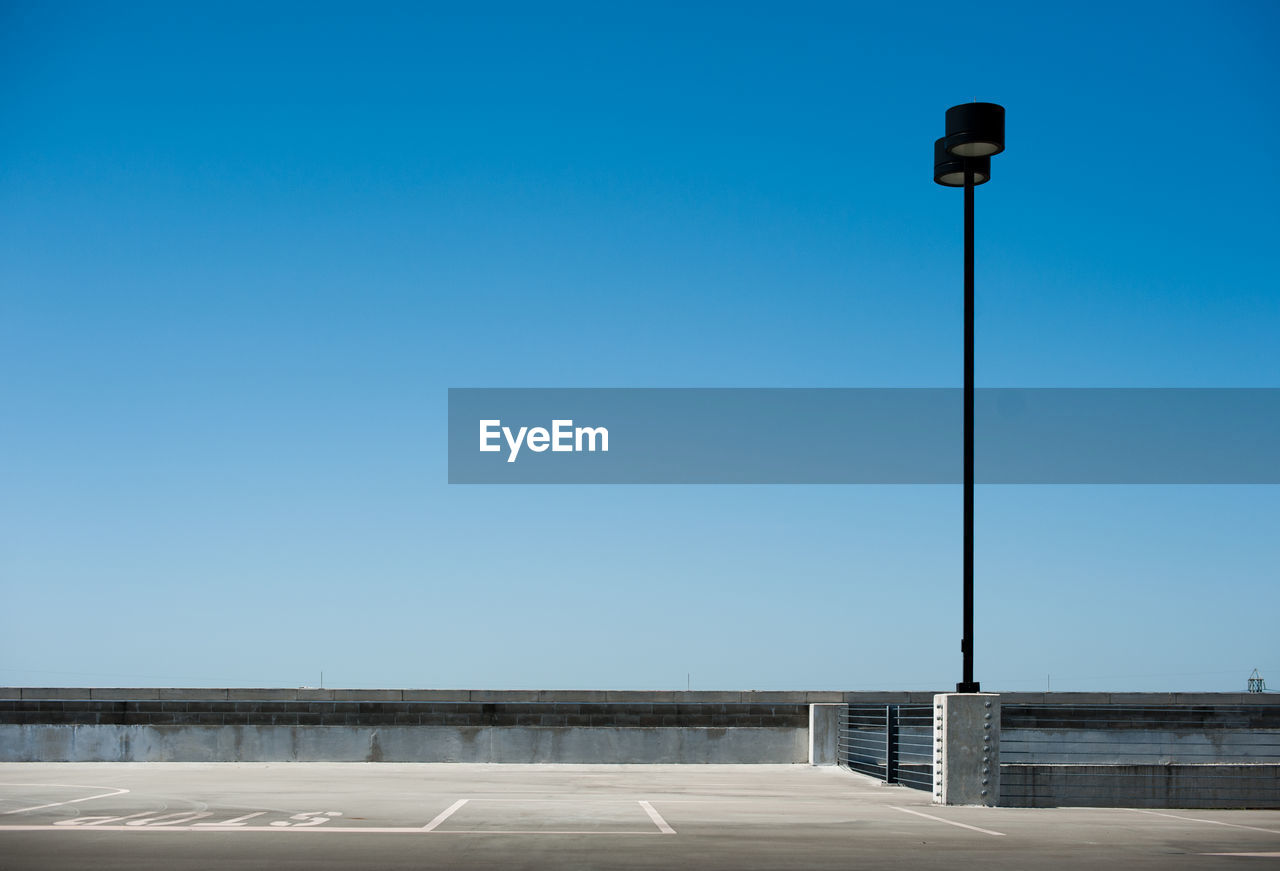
(862, 436)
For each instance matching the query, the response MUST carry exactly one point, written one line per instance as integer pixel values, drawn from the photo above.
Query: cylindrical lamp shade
(949, 170)
(975, 129)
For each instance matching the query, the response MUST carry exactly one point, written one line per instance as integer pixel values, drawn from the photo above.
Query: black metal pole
(968, 685)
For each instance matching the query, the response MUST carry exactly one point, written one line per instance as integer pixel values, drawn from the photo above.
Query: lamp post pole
(968, 684)
(962, 158)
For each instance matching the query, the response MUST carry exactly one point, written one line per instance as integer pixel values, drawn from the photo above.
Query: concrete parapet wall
(91, 712)
(145, 743)
(90, 725)
(310, 694)
(1141, 786)
(798, 697)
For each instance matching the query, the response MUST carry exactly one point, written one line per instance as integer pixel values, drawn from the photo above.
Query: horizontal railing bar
(1059, 757)
(1043, 724)
(1235, 748)
(1107, 775)
(1032, 739)
(1038, 746)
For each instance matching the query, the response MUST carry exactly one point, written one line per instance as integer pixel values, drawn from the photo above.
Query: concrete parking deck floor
(283, 816)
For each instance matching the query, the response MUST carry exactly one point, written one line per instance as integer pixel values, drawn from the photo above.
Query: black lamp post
(962, 158)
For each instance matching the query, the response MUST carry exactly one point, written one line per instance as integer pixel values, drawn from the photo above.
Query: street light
(962, 158)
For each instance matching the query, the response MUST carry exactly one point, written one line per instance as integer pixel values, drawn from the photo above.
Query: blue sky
(244, 252)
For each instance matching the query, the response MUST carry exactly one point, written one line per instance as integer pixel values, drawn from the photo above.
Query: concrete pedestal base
(966, 756)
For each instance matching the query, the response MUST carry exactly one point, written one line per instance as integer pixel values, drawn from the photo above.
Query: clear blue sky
(246, 248)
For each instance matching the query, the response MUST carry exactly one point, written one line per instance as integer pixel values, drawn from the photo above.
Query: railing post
(890, 744)
(824, 733)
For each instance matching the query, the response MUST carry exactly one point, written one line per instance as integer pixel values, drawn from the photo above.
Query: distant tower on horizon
(1256, 683)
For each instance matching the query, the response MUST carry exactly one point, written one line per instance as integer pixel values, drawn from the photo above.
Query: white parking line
(444, 815)
(657, 819)
(1198, 820)
(1251, 855)
(40, 807)
(948, 822)
(488, 832)
(348, 830)
(209, 830)
(584, 800)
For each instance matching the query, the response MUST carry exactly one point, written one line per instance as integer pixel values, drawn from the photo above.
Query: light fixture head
(975, 129)
(948, 169)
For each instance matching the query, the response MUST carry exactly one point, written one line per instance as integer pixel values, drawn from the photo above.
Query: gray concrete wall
(403, 726)
(1141, 786)
(1133, 755)
(1135, 735)
(313, 694)
(277, 724)
(117, 743)
(222, 712)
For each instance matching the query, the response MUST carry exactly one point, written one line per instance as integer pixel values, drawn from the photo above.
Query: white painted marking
(444, 815)
(1253, 855)
(349, 830)
(948, 822)
(98, 821)
(1198, 820)
(174, 819)
(536, 832)
(237, 821)
(40, 807)
(583, 800)
(657, 819)
(308, 818)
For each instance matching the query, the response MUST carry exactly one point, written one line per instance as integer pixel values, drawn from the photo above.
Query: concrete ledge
(640, 745)
(436, 695)
(124, 693)
(59, 693)
(367, 695)
(504, 695)
(598, 696)
(192, 694)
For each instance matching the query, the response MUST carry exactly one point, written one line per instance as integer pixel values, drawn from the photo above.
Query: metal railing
(893, 743)
(1140, 756)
